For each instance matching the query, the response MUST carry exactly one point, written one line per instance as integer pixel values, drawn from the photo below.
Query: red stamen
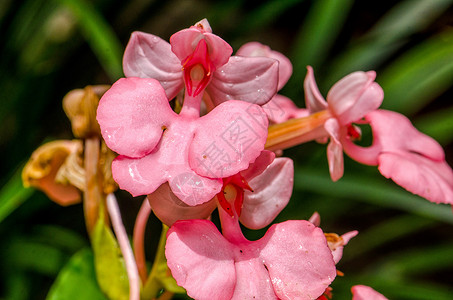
(353, 132)
(239, 184)
(198, 59)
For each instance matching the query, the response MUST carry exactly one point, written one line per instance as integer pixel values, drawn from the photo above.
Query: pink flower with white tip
(203, 61)
(190, 152)
(291, 261)
(412, 159)
(348, 101)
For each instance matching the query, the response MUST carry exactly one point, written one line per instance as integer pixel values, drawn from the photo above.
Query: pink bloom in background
(335, 242)
(291, 261)
(191, 153)
(348, 101)
(412, 159)
(197, 54)
(271, 180)
(279, 108)
(363, 292)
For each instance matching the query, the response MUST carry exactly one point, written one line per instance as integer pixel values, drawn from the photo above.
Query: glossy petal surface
(285, 68)
(292, 259)
(148, 56)
(410, 158)
(157, 145)
(250, 79)
(354, 96)
(131, 115)
(228, 139)
(280, 109)
(272, 190)
(169, 208)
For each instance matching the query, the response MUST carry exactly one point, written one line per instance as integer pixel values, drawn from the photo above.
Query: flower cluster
(198, 129)
(215, 152)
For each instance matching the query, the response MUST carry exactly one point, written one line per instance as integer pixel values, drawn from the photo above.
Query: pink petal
(292, 260)
(143, 176)
(337, 252)
(201, 260)
(362, 292)
(299, 262)
(251, 79)
(334, 149)
(257, 288)
(184, 42)
(280, 109)
(429, 179)
(228, 139)
(148, 56)
(259, 165)
(285, 68)
(410, 158)
(354, 96)
(272, 191)
(131, 115)
(169, 208)
(313, 99)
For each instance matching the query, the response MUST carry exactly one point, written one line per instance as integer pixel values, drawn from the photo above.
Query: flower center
(231, 197)
(198, 69)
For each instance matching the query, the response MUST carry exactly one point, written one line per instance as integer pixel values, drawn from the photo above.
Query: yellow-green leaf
(109, 264)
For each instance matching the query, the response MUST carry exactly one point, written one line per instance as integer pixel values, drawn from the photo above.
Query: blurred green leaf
(77, 280)
(420, 75)
(389, 230)
(35, 256)
(438, 124)
(99, 35)
(266, 13)
(110, 266)
(424, 260)
(57, 236)
(387, 35)
(318, 33)
(13, 194)
(371, 190)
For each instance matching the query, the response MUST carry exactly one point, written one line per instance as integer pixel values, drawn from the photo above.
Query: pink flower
(363, 292)
(291, 261)
(348, 101)
(279, 108)
(191, 153)
(202, 60)
(412, 159)
(271, 181)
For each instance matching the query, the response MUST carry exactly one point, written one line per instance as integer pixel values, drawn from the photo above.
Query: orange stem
(297, 131)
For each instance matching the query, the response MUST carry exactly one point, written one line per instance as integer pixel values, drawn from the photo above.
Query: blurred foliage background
(49, 47)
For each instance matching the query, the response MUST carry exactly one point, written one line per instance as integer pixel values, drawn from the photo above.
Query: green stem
(153, 285)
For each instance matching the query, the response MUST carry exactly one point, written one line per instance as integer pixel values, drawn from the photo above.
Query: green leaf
(386, 232)
(318, 33)
(35, 256)
(109, 263)
(438, 124)
(77, 280)
(429, 259)
(266, 13)
(99, 35)
(387, 36)
(420, 75)
(13, 194)
(372, 190)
